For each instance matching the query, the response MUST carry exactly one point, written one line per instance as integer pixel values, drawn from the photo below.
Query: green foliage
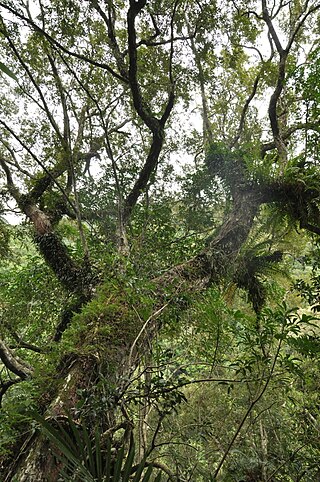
(93, 460)
(27, 286)
(14, 418)
(234, 351)
(232, 376)
(5, 233)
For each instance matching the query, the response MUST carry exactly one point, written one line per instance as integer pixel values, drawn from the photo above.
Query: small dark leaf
(7, 71)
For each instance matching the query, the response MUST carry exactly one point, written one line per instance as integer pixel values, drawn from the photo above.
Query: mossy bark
(36, 461)
(122, 327)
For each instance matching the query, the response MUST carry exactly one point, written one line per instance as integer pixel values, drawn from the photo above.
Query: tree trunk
(126, 339)
(35, 460)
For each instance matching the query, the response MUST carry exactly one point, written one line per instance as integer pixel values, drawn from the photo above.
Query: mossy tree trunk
(126, 337)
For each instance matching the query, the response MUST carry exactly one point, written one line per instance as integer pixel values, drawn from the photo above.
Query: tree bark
(35, 462)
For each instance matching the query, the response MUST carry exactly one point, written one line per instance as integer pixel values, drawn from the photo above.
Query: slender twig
(53, 41)
(270, 478)
(49, 173)
(250, 408)
(151, 317)
(245, 109)
(36, 86)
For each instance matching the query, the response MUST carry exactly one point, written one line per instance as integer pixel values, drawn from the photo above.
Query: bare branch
(269, 146)
(310, 227)
(267, 19)
(15, 163)
(300, 24)
(151, 317)
(251, 47)
(15, 364)
(66, 121)
(109, 21)
(245, 109)
(207, 132)
(23, 344)
(151, 43)
(4, 387)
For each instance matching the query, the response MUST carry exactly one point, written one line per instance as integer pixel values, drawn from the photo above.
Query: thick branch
(269, 146)
(273, 33)
(12, 188)
(138, 101)
(15, 364)
(310, 227)
(272, 111)
(155, 125)
(4, 387)
(109, 21)
(145, 173)
(283, 53)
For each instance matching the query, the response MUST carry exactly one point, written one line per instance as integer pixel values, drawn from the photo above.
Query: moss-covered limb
(75, 278)
(298, 198)
(66, 316)
(46, 180)
(298, 195)
(102, 334)
(55, 207)
(297, 192)
(227, 164)
(248, 276)
(220, 257)
(27, 204)
(40, 183)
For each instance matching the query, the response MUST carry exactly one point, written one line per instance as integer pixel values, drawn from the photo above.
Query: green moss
(109, 322)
